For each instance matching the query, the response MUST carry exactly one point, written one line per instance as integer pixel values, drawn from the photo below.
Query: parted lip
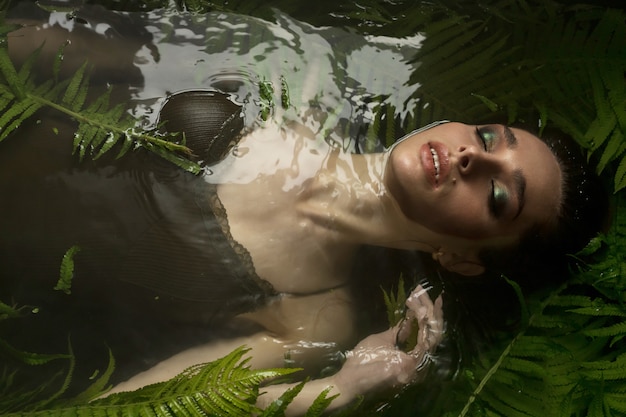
(428, 153)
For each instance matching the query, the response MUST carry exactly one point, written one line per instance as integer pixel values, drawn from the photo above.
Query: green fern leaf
(500, 404)
(615, 401)
(278, 406)
(601, 309)
(29, 358)
(109, 142)
(321, 403)
(101, 103)
(596, 407)
(98, 388)
(620, 176)
(605, 370)
(523, 366)
(99, 129)
(67, 270)
(13, 117)
(58, 59)
(614, 148)
(613, 330)
(94, 137)
(127, 145)
(9, 73)
(7, 311)
(176, 159)
(537, 347)
(83, 139)
(25, 71)
(593, 246)
(75, 89)
(395, 303)
(64, 386)
(224, 387)
(490, 104)
(571, 301)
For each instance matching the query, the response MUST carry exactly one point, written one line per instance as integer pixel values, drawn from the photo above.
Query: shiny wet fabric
(157, 268)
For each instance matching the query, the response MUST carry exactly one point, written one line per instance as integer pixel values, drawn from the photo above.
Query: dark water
(352, 85)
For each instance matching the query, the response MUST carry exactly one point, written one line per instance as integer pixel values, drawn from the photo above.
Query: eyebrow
(518, 176)
(511, 140)
(520, 190)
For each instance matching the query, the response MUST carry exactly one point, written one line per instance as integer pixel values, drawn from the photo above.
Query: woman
(269, 233)
(453, 190)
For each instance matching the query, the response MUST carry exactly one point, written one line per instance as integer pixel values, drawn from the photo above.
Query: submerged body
(157, 247)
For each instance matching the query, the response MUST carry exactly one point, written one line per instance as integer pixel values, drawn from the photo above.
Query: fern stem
(171, 146)
(507, 350)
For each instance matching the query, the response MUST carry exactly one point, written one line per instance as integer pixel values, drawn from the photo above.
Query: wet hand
(378, 363)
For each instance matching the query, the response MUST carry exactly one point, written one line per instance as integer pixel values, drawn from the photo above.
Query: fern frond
(76, 91)
(395, 303)
(320, 404)
(99, 386)
(14, 112)
(571, 301)
(612, 330)
(100, 128)
(278, 406)
(605, 370)
(538, 348)
(29, 358)
(67, 270)
(8, 72)
(615, 401)
(601, 309)
(64, 385)
(224, 387)
(6, 311)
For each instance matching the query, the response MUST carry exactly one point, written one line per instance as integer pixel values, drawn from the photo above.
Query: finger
(418, 296)
(419, 301)
(404, 331)
(438, 311)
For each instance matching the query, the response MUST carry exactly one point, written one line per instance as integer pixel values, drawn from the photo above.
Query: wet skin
(490, 181)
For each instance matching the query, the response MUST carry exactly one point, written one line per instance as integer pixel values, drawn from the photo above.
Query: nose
(472, 160)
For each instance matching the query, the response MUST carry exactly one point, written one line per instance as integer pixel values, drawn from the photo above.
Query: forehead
(543, 176)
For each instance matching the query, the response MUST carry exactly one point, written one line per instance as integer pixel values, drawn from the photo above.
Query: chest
(292, 251)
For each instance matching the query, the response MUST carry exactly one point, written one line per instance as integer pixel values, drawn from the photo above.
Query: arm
(305, 328)
(269, 349)
(376, 363)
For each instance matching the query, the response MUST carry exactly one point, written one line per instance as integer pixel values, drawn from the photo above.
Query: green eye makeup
(498, 199)
(487, 136)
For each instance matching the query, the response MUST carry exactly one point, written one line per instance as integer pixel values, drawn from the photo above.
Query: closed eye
(487, 136)
(498, 200)
(481, 137)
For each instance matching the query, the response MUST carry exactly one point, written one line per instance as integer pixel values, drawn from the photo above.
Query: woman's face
(475, 182)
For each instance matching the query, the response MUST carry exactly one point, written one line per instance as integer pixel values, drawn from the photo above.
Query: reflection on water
(327, 67)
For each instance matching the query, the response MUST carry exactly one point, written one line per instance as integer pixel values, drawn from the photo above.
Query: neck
(349, 196)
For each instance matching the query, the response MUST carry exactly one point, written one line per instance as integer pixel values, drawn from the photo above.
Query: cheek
(459, 214)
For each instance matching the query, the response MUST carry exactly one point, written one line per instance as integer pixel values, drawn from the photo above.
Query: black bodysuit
(157, 268)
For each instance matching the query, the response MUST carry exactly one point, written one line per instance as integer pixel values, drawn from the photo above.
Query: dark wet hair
(582, 215)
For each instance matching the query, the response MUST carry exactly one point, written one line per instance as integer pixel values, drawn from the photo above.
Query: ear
(468, 265)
